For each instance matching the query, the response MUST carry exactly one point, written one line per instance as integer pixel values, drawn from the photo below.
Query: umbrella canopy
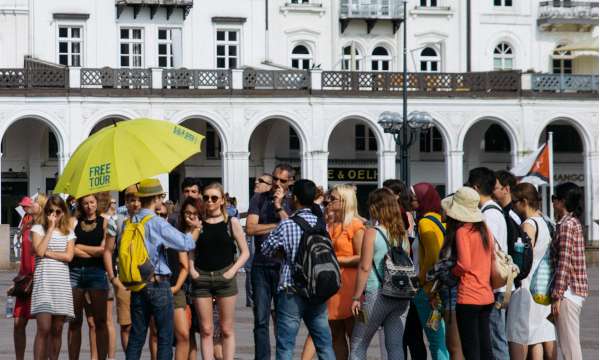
(125, 153)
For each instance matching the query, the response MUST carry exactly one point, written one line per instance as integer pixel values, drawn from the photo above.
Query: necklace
(88, 225)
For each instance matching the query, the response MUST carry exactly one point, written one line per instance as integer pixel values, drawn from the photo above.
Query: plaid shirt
(568, 250)
(286, 237)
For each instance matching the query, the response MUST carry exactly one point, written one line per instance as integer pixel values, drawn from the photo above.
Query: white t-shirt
(494, 220)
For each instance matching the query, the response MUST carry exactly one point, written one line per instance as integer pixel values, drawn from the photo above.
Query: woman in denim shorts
(213, 268)
(88, 275)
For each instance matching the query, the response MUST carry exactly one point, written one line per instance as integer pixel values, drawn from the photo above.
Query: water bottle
(434, 318)
(519, 250)
(10, 306)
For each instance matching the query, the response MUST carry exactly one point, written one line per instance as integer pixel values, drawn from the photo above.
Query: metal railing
(564, 83)
(376, 9)
(363, 81)
(276, 79)
(196, 79)
(122, 78)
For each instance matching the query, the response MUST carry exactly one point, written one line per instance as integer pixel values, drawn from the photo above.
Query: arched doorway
(488, 143)
(272, 142)
(353, 147)
(30, 166)
(105, 122)
(427, 159)
(207, 166)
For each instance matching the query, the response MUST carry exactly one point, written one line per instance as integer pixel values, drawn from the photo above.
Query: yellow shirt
(431, 240)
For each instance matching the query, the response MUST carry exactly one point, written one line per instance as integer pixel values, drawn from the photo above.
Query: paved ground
(245, 345)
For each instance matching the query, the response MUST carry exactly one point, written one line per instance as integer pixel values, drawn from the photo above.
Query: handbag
(23, 286)
(504, 272)
(543, 277)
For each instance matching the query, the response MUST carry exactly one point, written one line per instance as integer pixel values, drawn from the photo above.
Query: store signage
(352, 174)
(561, 178)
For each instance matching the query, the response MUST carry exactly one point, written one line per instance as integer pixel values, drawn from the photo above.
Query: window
(503, 2)
(165, 48)
(347, 58)
(132, 47)
(566, 139)
(228, 48)
(52, 145)
(429, 3)
(69, 45)
(503, 57)
(380, 59)
(431, 141)
(429, 60)
(294, 140)
(364, 139)
(562, 62)
(496, 140)
(213, 143)
(301, 57)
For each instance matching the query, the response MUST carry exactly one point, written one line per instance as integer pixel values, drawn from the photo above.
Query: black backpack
(316, 271)
(399, 279)
(513, 232)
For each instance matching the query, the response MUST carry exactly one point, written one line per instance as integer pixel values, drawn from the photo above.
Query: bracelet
(356, 298)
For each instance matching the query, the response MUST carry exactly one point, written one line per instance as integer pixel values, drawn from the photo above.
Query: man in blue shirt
(290, 306)
(156, 299)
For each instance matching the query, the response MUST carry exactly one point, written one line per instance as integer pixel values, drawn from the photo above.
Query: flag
(535, 168)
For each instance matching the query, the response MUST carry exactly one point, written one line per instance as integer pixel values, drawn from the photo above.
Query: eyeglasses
(333, 199)
(212, 198)
(161, 214)
(261, 181)
(554, 197)
(55, 211)
(113, 203)
(283, 181)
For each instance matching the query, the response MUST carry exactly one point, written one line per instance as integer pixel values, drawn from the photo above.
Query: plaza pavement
(243, 327)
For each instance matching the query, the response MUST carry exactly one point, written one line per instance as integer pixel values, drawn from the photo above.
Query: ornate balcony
(566, 15)
(564, 83)
(153, 6)
(371, 12)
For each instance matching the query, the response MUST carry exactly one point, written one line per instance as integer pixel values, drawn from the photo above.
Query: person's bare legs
(517, 351)
(125, 329)
(42, 336)
(535, 352)
(227, 320)
(110, 327)
(56, 337)
(98, 306)
(74, 336)
(20, 337)
(91, 331)
(153, 340)
(308, 351)
(182, 334)
(452, 336)
(550, 350)
(204, 309)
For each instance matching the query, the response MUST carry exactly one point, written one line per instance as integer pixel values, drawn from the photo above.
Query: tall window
(503, 2)
(132, 47)
(213, 143)
(429, 60)
(496, 139)
(52, 145)
(301, 57)
(293, 139)
(380, 59)
(165, 48)
(562, 62)
(429, 3)
(228, 49)
(69, 45)
(364, 139)
(347, 58)
(503, 57)
(431, 141)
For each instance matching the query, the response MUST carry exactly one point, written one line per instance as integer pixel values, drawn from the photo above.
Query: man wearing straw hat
(156, 298)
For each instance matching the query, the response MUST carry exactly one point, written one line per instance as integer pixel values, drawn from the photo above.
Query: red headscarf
(429, 199)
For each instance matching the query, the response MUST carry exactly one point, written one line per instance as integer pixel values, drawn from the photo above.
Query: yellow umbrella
(125, 153)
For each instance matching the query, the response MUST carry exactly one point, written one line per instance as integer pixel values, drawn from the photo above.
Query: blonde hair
(41, 200)
(349, 202)
(384, 208)
(219, 187)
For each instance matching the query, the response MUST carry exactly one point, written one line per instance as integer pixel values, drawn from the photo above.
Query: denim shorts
(213, 284)
(449, 298)
(88, 278)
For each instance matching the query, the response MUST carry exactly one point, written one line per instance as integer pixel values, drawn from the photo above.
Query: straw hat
(131, 190)
(149, 187)
(463, 205)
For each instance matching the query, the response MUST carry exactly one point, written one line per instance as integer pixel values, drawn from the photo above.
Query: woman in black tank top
(88, 276)
(213, 269)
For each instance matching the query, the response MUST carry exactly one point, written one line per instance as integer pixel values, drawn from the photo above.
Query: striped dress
(51, 284)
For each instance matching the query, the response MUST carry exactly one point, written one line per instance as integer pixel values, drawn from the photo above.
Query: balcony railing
(379, 9)
(564, 83)
(575, 13)
(196, 79)
(276, 79)
(116, 78)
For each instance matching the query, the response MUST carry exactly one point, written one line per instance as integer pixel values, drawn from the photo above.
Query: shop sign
(568, 177)
(352, 174)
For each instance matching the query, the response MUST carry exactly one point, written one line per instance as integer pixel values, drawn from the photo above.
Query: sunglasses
(212, 198)
(283, 181)
(261, 181)
(54, 211)
(161, 214)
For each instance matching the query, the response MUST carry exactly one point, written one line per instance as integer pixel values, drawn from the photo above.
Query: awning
(587, 45)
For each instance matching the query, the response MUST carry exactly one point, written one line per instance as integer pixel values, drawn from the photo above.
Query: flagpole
(551, 171)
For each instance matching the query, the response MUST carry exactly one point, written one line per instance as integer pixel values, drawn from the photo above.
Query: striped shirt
(568, 251)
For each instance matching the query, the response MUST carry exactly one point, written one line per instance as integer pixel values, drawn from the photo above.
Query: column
(235, 174)
(386, 166)
(590, 163)
(0, 185)
(314, 167)
(454, 170)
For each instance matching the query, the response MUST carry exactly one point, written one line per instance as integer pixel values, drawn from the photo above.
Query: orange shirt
(339, 305)
(473, 267)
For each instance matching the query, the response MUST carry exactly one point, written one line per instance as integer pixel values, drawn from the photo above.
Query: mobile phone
(550, 318)
(362, 316)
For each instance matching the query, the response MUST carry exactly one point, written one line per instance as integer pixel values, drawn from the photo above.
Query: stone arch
(53, 124)
(209, 118)
(506, 126)
(290, 119)
(584, 134)
(364, 118)
(120, 114)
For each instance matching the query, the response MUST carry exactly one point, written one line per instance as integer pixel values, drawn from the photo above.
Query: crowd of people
(73, 256)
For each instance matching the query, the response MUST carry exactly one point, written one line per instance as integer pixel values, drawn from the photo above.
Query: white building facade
(302, 81)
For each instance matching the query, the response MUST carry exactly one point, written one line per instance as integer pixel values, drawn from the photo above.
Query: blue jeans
(498, 330)
(437, 339)
(248, 271)
(154, 300)
(264, 286)
(291, 308)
